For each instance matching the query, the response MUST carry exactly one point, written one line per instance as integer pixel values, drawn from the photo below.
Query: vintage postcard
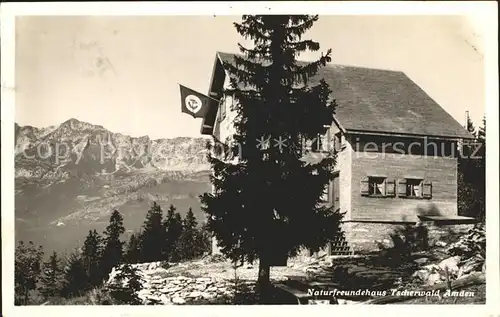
(204, 157)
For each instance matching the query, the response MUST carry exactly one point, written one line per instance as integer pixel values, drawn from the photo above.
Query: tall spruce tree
(51, 279)
(76, 281)
(91, 257)
(112, 253)
(153, 235)
(133, 249)
(27, 268)
(269, 201)
(173, 229)
(187, 242)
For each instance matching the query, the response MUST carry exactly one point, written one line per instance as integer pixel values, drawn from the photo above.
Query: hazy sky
(122, 72)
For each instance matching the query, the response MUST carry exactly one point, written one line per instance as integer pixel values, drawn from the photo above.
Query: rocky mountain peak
(90, 148)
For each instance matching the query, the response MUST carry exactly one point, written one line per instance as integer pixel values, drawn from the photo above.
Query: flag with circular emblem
(193, 102)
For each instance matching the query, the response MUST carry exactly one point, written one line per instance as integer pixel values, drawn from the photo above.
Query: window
(376, 186)
(414, 188)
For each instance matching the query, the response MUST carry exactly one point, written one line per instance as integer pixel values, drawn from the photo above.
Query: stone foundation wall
(445, 232)
(370, 236)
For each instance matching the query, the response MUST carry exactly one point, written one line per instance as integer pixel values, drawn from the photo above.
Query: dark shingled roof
(383, 101)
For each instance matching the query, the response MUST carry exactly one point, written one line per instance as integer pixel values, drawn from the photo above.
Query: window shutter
(427, 189)
(365, 188)
(402, 188)
(390, 188)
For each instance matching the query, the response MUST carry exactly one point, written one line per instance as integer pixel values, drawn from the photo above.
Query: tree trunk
(263, 282)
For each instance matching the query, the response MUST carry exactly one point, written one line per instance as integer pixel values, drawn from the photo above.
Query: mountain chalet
(396, 153)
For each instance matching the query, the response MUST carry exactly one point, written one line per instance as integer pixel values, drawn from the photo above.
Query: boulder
(153, 266)
(431, 268)
(156, 281)
(178, 300)
(433, 278)
(451, 264)
(165, 300)
(422, 275)
(421, 261)
(211, 289)
(194, 294)
(154, 298)
(208, 296)
(171, 289)
(199, 286)
(204, 280)
(440, 244)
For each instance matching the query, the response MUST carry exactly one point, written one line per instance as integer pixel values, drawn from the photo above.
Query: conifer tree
(51, 279)
(268, 203)
(91, 257)
(153, 235)
(128, 284)
(480, 172)
(112, 253)
(27, 268)
(133, 249)
(173, 229)
(76, 281)
(472, 176)
(187, 242)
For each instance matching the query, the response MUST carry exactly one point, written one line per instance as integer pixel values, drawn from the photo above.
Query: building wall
(439, 169)
(223, 130)
(343, 166)
(227, 124)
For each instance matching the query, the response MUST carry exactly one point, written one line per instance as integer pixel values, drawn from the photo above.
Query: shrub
(471, 244)
(410, 238)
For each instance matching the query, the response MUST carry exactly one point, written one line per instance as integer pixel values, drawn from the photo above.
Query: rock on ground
(194, 282)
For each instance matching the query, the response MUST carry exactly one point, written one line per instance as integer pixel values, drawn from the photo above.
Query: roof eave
(207, 128)
(409, 135)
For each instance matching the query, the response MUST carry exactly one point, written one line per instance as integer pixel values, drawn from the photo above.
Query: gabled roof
(381, 101)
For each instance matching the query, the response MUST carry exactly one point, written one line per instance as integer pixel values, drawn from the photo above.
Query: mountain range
(70, 177)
